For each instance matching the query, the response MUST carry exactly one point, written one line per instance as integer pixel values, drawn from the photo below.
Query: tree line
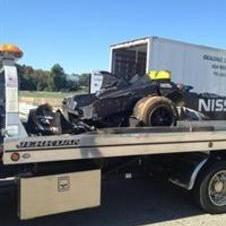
(54, 79)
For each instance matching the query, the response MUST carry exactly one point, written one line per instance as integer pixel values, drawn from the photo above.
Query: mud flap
(46, 195)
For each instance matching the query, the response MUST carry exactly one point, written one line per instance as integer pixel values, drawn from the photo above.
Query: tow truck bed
(116, 142)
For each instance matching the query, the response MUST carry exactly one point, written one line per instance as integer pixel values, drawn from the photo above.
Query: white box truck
(199, 66)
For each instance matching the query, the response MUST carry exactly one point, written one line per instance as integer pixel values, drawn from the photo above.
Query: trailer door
(128, 61)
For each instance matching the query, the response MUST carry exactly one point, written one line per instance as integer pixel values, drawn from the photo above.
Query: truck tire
(210, 188)
(155, 111)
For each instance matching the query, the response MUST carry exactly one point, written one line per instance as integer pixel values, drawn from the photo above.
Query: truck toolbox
(45, 195)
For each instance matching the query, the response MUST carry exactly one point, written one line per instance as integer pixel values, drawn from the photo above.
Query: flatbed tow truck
(60, 173)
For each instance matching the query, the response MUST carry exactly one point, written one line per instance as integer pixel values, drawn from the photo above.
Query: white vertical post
(13, 125)
(11, 98)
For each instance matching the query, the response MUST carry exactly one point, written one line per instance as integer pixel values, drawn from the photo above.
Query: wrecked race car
(148, 100)
(119, 104)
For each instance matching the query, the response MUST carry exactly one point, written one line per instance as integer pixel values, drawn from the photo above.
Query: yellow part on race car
(160, 75)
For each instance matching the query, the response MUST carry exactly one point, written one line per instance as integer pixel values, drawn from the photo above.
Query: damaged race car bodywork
(139, 102)
(143, 102)
(114, 105)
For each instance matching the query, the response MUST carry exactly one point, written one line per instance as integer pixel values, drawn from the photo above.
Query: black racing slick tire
(155, 111)
(210, 188)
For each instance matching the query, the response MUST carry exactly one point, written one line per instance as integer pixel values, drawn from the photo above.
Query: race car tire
(155, 111)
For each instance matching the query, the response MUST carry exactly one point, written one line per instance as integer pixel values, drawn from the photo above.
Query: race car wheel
(210, 188)
(156, 111)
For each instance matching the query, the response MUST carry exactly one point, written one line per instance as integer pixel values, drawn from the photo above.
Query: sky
(77, 33)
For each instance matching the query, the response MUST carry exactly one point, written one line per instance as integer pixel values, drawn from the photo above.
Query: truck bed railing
(114, 142)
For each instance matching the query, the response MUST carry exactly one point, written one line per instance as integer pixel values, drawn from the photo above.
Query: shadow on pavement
(124, 203)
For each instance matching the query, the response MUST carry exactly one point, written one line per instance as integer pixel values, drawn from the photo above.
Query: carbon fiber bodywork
(113, 105)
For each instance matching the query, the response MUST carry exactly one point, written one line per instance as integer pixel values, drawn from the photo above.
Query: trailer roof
(148, 38)
(131, 43)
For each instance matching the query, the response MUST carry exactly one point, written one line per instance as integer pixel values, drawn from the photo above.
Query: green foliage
(84, 79)
(58, 78)
(40, 80)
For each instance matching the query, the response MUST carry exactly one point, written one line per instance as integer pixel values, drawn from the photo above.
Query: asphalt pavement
(124, 203)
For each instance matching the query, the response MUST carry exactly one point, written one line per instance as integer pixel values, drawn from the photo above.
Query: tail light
(15, 156)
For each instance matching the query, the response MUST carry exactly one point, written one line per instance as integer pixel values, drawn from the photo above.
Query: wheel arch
(213, 158)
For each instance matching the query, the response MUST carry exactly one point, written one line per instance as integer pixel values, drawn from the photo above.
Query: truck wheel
(155, 111)
(210, 189)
